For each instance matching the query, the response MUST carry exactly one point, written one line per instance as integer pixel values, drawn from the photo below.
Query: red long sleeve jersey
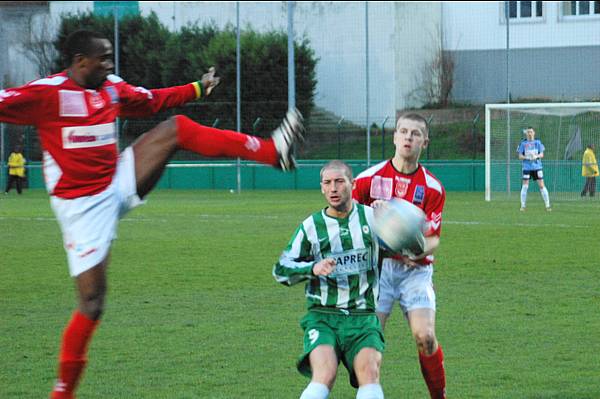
(422, 188)
(77, 127)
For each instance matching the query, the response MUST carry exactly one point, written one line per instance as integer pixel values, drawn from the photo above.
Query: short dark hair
(340, 165)
(417, 118)
(80, 42)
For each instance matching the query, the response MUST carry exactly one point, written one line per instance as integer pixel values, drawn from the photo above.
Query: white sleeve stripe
(431, 182)
(311, 234)
(54, 81)
(114, 78)
(297, 245)
(372, 170)
(287, 262)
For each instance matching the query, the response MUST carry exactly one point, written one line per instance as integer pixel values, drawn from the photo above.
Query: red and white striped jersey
(77, 127)
(422, 188)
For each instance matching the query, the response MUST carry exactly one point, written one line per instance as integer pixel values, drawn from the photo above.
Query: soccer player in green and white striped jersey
(336, 252)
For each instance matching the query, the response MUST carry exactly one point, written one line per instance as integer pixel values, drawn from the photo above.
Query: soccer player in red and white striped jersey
(403, 279)
(91, 185)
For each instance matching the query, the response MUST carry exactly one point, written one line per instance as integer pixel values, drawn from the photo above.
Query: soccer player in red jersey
(91, 186)
(408, 280)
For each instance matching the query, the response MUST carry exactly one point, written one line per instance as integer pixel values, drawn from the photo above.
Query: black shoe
(286, 137)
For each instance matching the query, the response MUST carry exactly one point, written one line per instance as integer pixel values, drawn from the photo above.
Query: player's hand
(407, 260)
(378, 204)
(324, 267)
(209, 81)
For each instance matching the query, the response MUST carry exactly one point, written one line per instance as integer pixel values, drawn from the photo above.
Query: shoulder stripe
(372, 170)
(431, 181)
(54, 81)
(114, 78)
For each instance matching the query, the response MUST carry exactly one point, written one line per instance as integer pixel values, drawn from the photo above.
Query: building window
(523, 10)
(580, 8)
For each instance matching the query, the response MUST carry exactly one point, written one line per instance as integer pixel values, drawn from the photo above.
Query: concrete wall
(560, 73)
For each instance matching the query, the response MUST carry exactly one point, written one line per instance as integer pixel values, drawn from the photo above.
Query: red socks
(432, 368)
(72, 359)
(211, 142)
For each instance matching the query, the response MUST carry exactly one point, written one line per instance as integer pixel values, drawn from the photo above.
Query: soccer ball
(399, 225)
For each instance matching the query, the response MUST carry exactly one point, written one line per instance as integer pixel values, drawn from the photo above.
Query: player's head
(591, 146)
(89, 56)
(411, 136)
(336, 185)
(530, 132)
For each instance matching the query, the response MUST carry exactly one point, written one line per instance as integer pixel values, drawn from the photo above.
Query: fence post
(339, 128)
(474, 134)
(429, 120)
(383, 137)
(117, 51)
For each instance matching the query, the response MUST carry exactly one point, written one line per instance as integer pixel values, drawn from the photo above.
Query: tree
(37, 44)
(152, 56)
(436, 76)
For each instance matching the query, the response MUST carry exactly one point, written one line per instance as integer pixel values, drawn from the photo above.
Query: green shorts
(346, 333)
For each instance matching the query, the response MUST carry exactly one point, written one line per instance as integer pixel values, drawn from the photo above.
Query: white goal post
(565, 129)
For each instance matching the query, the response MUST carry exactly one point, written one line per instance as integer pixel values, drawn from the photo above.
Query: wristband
(198, 88)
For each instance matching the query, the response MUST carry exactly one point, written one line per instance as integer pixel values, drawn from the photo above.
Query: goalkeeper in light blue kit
(531, 152)
(336, 252)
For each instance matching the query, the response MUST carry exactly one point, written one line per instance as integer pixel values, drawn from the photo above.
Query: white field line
(274, 217)
(147, 219)
(560, 225)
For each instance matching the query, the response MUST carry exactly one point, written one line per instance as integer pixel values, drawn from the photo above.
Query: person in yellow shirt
(589, 170)
(16, 170)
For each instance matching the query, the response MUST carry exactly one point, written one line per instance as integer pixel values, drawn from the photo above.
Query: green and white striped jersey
(351, 242)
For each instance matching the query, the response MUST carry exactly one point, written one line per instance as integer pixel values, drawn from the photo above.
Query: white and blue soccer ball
(399, 225)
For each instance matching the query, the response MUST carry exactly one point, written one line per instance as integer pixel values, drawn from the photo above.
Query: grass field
(193, 311)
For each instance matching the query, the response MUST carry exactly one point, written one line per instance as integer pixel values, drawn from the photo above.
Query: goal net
(565, 129)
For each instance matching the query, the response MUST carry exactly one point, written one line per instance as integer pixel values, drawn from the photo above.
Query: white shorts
(411, 287)
(89, 224)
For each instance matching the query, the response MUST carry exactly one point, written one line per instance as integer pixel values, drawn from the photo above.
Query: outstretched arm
(139, 102)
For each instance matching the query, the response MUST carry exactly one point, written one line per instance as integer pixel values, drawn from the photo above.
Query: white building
(554, 47)
(554, 50)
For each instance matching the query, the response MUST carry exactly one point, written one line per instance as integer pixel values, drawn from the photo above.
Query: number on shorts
(313, 335)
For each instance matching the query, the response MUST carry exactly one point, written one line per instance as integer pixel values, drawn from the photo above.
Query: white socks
(524, 195)
(315, 390)
(370, 391)
(544, 192)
